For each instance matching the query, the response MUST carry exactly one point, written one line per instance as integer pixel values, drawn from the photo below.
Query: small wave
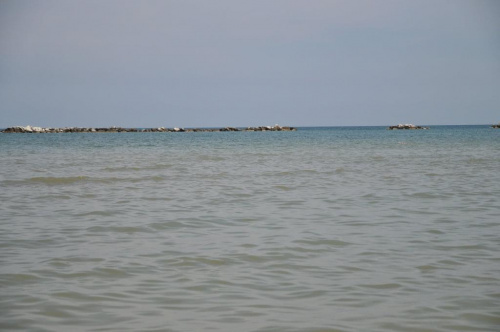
(430, 195)
(427, 268)
(210, 158)
(301, 295)
(249, 258)
(110, 272)
(118, 229)
(60, 262)
(476, 161)
(291, 173)
(53, 197)
(166, 225)
(450, 262)
(9, 279)
(382, 286)
(464, 247)
(435, 231)
(135, 169)
(55, 313)
(121, 169)
(156, 178)
(57, 180)
(97, 213)
(324, 242)
(81, 297)
(166, 199)
(482, 318)
(195, 261)
(284, 188)
(99, 272)
(306, 250)
(69, 180)
(432, 174)
(248, 245)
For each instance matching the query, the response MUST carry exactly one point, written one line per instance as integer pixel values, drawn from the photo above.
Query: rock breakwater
(406, 126)
(38, 130)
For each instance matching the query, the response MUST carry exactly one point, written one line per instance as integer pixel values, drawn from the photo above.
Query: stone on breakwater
(406, 126)
(497, 126)
(31, 129)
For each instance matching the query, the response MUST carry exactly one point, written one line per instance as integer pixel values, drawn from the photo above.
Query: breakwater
(37, 130)
(406, 126)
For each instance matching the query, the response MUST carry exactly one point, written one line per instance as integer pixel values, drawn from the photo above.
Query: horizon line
(233, 126)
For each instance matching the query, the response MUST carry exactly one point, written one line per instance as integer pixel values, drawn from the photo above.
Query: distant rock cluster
(497, 126)
(31, 129)
(406, 126)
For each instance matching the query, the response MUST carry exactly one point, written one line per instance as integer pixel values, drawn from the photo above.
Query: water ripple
(319, 230)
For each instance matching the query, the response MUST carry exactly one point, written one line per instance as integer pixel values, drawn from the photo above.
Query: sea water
(322, 229)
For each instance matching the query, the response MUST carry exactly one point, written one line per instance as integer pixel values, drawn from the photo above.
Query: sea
(331, 229)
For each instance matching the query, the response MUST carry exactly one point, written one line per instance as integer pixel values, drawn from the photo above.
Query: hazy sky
(201, 63)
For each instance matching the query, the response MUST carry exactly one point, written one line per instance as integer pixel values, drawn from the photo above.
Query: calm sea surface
(322, 229)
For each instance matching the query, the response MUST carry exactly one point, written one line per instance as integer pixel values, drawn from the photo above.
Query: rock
(229, 129)
(406, 126)
(269, 128)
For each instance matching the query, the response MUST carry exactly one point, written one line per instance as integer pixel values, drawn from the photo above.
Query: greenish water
(322, 229)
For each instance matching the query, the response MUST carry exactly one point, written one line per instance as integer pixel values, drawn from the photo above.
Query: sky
(198, 63)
